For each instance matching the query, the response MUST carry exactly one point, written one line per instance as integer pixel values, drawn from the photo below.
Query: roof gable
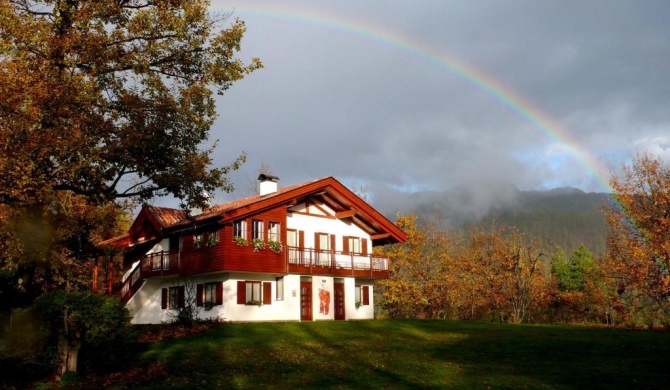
(152, 221)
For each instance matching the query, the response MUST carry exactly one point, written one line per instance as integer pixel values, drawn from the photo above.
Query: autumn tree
(504, 276)
(52, 247)
(638, 242)
(103, 102)
(422, 281)
(113, 99)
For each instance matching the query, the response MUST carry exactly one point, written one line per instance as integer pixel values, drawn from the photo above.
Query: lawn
(407, 354)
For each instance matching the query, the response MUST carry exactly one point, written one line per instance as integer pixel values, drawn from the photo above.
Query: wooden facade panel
(243, 258)
(204, 259)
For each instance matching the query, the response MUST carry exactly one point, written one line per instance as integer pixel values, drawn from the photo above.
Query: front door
(305, 301)
(339, 301)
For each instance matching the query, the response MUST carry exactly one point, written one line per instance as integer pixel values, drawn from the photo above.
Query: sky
(436, 95)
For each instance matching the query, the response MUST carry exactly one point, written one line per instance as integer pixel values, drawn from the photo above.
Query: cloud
(336, 101)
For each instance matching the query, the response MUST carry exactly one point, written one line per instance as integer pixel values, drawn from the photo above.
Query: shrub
(102, 321)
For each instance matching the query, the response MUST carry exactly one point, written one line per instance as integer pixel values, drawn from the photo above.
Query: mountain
(564, 216)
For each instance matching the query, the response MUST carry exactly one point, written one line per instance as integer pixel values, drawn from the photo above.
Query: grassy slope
(411, 354)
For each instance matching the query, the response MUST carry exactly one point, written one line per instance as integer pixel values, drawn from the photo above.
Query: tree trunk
(68, 345)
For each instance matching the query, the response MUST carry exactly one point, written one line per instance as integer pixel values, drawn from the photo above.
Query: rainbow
(397, 40)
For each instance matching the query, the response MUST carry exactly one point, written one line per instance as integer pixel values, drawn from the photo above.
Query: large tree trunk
(69, 343)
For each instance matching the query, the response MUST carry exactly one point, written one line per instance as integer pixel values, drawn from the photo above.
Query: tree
(113, 99)
(571, 274)
(638, 242)
(423, 279)
(51, 246)
(504, 275)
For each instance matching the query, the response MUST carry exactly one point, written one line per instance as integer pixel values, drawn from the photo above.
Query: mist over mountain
(566, 216)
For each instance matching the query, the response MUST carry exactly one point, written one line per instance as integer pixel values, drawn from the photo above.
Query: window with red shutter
(181, 301)
(241, 292)
(219, 293)
(164, 298)
(199, 295)
(267, 293)
(366, 295)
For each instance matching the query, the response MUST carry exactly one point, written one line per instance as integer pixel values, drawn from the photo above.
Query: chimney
(268, 184)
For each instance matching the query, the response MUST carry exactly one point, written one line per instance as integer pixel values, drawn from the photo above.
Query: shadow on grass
(412, 354)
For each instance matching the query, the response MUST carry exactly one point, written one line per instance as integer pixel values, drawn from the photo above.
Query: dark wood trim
(346, 214)
(380, 236)
(313, 215)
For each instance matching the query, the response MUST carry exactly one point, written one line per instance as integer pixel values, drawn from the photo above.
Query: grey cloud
(330, 103)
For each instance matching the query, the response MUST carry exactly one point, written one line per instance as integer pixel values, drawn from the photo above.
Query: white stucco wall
(145, 305)
(312, 224)
(162, 245)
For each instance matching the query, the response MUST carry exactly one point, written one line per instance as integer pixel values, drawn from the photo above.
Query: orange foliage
(639, 237)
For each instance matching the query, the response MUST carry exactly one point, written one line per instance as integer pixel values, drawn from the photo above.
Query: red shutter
(267, 293)
(181, 302)
(241, 292)
(345, 245)
(164, 298)
(301, 240)
(198, 297)
(332, 243)
(366, 295)
(219, 293)
(364, 246)
(317, 242)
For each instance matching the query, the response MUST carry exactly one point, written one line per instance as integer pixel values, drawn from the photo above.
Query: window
(210, 294)
(280, 288)
(352, 245)
(273, 231)
(198, 240)
(240, 229)
(257, 230)
(172, 297)
(322, 249)
(362, 295)
(213, 238)
(292, 238)
(251, 292)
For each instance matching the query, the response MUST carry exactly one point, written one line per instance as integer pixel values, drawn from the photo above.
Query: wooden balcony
(313, 262)
(153, 264)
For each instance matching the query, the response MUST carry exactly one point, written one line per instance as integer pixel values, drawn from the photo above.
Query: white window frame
(257, 230)
(240, 229)
(273, 231)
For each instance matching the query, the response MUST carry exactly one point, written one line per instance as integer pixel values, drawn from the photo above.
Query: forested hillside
(566, 217)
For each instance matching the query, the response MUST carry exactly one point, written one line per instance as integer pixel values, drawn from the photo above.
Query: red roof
(327, 190)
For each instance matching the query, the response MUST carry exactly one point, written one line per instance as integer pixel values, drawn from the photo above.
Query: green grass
(410, 354)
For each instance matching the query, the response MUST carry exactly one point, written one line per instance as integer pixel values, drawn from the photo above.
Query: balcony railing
(152, 264)
(337, 263)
